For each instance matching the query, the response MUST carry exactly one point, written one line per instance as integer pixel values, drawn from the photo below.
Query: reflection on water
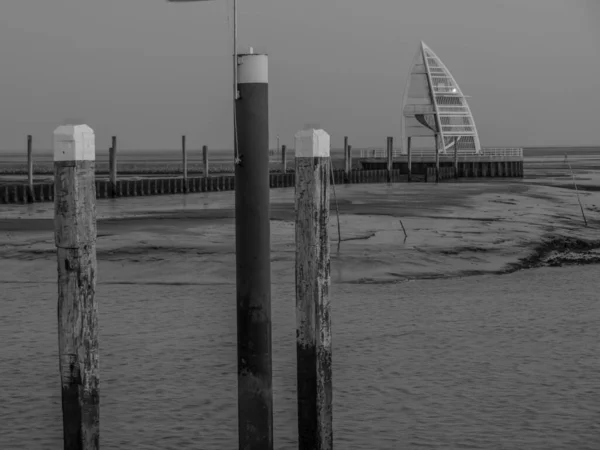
(494, 362)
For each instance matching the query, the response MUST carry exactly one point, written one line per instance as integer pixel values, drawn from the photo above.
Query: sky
(149, 71)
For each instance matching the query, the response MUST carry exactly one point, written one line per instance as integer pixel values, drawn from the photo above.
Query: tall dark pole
(253, 251)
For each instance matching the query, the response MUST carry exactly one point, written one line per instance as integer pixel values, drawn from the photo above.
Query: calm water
(494, 362)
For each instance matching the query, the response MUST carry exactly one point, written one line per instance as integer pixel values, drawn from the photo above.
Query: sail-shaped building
(435, 112)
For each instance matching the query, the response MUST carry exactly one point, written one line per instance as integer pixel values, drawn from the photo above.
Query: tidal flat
(477, 329)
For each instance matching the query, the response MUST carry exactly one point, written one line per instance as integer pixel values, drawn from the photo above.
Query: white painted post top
(313, 144)
(74, 143)
(253, 68)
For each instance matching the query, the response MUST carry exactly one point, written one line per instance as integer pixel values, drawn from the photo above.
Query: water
(488, 362)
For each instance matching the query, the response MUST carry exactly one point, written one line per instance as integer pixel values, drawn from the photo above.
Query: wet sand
(453, 230)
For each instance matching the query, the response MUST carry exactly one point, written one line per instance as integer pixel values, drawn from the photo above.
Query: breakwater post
(253, 256)
(30, 196)
(456, 158)
(437, 157)
(313, 320)
(283, 159)
(205, 160)
(184, 165)
(75, 239)
(112, 165)
(347, 160)
(408, 144)
(390, 158)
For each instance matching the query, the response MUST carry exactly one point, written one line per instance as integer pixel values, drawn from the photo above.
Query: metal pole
(235, 83)
(253, 257)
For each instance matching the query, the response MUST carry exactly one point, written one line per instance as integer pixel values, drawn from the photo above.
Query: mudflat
(439, 338)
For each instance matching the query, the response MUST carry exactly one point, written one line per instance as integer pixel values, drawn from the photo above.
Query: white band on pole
(312, 144)
(74, 143)
(253, 68)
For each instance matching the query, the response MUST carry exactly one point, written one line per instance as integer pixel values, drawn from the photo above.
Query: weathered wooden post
(283, 159)
(347, 160)
(205, 160)
(349, 164)
(75, 239)
(408, 151)
(184, 164)
(390, 158)
(112, 164)
(30, 196)
(438, 138)
(456, 157)
(313, 320)
(253, 256)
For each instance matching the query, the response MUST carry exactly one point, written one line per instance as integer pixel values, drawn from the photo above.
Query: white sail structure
(435, 109)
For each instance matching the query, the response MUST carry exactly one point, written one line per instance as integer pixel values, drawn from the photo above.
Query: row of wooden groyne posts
(371, 169)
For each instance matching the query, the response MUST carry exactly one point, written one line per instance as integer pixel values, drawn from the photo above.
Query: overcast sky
(149, 71)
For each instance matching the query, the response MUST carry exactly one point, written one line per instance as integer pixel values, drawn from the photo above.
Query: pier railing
(494, 153)
(491, 153)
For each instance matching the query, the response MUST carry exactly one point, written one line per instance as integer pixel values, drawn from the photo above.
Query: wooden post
(313, 319)
(390, 158)
(75, 239)
(438, 138)
(112, 163)
(408, 151)
(205, 160)
(31, 197)
(456, 157)
(253, 256)
(184, 162)
(347, 161)
(283, 159)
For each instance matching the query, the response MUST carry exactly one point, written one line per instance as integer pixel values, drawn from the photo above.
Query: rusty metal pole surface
(205, 160)
(253, 256)
(184, 165)
(313, 308)
(390, 158)
(112, 164)
(75, 238)
(283, 159)
(408, 150)
(30, 195)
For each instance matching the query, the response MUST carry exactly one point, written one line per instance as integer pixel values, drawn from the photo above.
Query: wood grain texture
(75, 238)
(313, 321)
